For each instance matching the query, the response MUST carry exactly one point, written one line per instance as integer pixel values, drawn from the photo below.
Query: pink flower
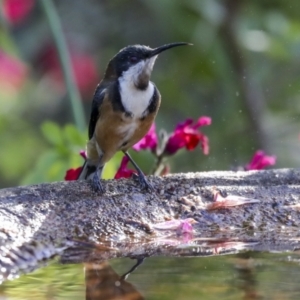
(12, 72)
(73, 174)
(260, 161)
(16, 11)
(123, 172)
(149, 141)
(186, 134)
(82, 154)
(182, 226)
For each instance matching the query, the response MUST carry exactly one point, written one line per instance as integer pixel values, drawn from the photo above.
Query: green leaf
(74, 136)
(112, 166)
(52, 133)
(39, 172)
(57, 171)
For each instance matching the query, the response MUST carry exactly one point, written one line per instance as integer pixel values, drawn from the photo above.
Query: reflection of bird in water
(102, 282)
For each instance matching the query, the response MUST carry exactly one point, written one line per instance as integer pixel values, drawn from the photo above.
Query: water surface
(246, 275)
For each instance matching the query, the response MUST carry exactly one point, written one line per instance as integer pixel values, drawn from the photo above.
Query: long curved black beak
(162, 48)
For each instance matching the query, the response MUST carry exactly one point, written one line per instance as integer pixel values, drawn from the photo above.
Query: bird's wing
(97, 102)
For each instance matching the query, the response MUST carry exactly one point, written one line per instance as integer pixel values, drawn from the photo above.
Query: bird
(124, 106)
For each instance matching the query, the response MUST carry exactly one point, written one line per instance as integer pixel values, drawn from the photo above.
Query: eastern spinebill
(124, 107)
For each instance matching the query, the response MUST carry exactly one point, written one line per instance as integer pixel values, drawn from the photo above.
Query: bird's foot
(144, 183)
(96, 184)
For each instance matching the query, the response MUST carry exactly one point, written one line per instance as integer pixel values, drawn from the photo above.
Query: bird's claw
(143, 181)
(96, 184)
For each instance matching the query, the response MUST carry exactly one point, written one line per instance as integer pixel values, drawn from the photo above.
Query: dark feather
(115, 97)
(113, 94)
(97, 102)
(154, 102)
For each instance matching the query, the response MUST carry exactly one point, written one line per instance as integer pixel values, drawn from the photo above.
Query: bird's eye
(133, 59)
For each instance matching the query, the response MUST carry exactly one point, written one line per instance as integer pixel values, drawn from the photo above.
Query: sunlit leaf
(74, 136)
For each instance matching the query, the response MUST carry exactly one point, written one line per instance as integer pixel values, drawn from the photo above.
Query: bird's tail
(87, 171)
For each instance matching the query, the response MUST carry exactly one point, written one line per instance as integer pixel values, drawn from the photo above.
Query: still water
(246, 275)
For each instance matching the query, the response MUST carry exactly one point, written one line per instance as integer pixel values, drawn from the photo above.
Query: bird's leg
(139, 261)
(97, 186)
(141, 177)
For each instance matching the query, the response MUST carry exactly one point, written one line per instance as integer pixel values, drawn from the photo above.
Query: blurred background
(243, 72)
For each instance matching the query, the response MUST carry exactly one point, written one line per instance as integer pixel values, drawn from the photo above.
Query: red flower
(148, 141)
(83, 65)
(187, 135)
(73, 174)
(260, 161)
(16, 11)
(85, 72)
(123, 172)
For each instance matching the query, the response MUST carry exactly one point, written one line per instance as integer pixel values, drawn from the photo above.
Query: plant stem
(253, 98)
(158, 165)
(61, 45)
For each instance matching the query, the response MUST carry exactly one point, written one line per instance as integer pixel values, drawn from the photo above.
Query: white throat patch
(133, 99)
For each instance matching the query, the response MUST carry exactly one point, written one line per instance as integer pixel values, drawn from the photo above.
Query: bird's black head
(136, 63)
(130, 56)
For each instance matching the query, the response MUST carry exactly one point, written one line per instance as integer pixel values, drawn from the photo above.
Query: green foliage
(48, 283)
(65, 144)
(18, 152)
